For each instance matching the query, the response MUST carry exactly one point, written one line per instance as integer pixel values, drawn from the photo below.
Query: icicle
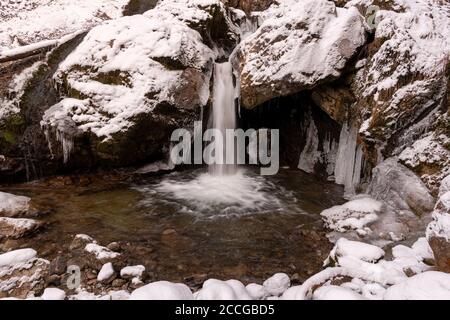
(349, 160)
(310, 154)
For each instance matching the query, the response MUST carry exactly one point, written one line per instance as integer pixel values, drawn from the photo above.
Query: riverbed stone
(16, 228)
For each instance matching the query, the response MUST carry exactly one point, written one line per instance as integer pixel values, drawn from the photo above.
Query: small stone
(113, 246)
(53, 294)
(80, 241)
(106, 274)
(58, 265)
(118, 283)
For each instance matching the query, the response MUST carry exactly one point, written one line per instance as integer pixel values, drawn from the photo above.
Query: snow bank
(336, 293)
(11, 205)
(223, 290)
(162, 290)
(277, 284)
(355, 214)
(431, 285)
(25, 22)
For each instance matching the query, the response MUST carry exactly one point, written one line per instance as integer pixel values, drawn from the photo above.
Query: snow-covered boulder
(12, 205)
(126, 76)
(223, 290)
(257, 291)
(359, 250)
(299, 45)
(162, 290)
(429, 285)
(22, 272)
(17, 227)
(353, 215)
(400, 188)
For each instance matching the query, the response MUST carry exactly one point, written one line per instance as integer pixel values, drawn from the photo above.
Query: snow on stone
(100, 252)
(257, 291)
(430, 285)
(360, 250)
(336, 293)
(162, 290)
(17, 257)
(14, 227)
(12, 205)
(53, 294)
(132, 271)
(277, 284)
(106, 272)
(29, 21)
(129, 48)
(214, 289)
(304, 42)
(355, 214)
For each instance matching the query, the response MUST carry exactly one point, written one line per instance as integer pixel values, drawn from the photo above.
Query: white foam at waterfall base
(218, 196)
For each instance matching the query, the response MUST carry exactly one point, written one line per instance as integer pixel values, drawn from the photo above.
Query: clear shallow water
(244, 226)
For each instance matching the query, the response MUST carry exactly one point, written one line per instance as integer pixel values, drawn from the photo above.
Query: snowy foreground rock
(360, 271)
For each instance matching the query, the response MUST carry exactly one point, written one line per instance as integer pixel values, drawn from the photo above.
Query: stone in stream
(16, 228)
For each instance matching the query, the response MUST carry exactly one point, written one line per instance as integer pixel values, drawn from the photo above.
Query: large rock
(22, 273)
(299, 45)
(140, 72)
(403, 76)
(400, 188)
(28, 21)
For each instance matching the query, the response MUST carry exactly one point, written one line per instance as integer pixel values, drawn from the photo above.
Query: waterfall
(223, 114)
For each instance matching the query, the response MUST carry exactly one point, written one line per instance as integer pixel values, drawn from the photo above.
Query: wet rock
(16, 228)
(118, 283)
(114, 246)
(316, 45)
(22, 273)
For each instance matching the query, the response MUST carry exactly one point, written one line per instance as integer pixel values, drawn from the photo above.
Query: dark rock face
(138, 6)
(295, 116)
